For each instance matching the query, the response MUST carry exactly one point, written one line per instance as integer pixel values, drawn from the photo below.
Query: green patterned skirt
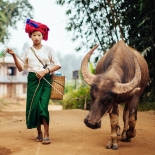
(38, 94)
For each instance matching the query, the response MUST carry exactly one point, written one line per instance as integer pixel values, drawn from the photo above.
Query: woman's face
(36, 37)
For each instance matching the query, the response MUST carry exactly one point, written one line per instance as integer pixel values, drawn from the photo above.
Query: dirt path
(70, 136)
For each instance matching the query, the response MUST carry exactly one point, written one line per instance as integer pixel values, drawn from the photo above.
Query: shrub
(75, 98)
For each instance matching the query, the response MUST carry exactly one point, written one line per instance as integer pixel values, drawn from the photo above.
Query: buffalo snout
(91, 124)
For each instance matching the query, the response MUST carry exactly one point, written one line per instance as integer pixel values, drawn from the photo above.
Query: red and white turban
(32, 26)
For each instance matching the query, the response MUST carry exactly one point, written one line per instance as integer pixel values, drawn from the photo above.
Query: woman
(41, 62)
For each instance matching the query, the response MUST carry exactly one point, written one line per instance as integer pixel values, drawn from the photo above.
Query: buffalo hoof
(113, 147)
(131, 133)
(109, 146)
(123, 139)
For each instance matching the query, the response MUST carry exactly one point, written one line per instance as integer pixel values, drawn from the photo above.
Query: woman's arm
(41, 74)
(54, 68)
(17, 63)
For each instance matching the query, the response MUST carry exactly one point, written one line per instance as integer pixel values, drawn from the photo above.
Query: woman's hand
(41, 74)
(10, 51)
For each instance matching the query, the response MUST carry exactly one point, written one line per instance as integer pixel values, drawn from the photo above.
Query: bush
(147, 102)
(75, 98)
(146, 106)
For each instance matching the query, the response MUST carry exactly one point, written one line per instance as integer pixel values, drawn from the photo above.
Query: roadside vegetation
(96, 22)
(76, 99)
(107, 22)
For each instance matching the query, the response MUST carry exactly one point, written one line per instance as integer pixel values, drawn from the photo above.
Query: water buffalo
(121, 77)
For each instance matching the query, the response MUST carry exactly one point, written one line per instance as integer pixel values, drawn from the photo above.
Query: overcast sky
(49, 13)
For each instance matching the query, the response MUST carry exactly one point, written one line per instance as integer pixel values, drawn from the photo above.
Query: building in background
(17, 88)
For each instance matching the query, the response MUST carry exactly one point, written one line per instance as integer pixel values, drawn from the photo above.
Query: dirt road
(70, 136)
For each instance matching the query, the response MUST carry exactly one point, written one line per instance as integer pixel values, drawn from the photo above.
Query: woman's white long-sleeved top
(46, 54)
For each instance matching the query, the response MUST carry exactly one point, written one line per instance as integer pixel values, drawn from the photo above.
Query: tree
(139, 22)
(11, 13)
(93, 22)
(107, 21)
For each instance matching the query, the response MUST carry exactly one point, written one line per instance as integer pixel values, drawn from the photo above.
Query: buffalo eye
(106, 100)
(93, 91)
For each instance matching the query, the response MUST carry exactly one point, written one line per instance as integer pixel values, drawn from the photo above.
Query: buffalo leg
(129, 118)
(125, 120)
(115, 129)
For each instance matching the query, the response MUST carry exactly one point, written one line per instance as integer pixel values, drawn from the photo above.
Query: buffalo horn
(88, 77)
(127, 87)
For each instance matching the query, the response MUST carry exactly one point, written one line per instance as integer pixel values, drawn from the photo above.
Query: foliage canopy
(10, 13)
(105, 22)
